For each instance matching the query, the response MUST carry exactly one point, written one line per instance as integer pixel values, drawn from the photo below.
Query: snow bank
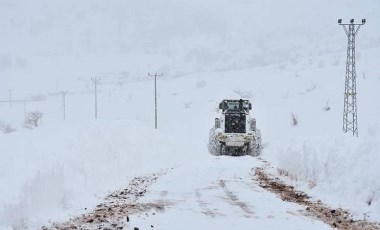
(45, 173)
(341, 170)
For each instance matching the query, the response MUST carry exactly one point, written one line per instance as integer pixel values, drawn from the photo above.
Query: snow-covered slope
(53, 171)
(286, 63)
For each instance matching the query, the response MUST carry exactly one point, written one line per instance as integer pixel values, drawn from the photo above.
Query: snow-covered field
(206, 54)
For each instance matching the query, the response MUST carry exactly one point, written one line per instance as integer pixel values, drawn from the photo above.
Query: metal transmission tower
(350, 114)
(155, 96)
(96, 81)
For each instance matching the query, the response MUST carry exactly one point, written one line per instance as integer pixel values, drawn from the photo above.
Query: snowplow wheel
(223, 149)
(255, 147)
(247, 149)
(214, 147)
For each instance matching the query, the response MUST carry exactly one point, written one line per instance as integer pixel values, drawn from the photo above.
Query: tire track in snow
(205, 206)
(233, 199)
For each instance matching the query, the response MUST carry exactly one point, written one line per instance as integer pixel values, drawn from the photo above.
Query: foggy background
(47, 44)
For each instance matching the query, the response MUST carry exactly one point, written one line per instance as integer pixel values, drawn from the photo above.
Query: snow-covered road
(219, 194)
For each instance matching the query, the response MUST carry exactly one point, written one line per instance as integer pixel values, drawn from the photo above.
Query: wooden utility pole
(96, 81)
(10, 98)
(64, 104)
(25, 116)
(155, 96)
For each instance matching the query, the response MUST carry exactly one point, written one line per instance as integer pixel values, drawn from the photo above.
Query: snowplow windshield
(235, 105)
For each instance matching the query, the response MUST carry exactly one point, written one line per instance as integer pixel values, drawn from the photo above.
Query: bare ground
(114, 212)
(337, 218)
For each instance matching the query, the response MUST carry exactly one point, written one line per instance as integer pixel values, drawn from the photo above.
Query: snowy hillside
(285, 63)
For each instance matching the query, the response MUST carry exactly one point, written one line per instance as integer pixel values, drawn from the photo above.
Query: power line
(16, 101)
(350, 113)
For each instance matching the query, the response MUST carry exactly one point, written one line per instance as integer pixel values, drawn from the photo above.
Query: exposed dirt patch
(336, 218)
(114, 212)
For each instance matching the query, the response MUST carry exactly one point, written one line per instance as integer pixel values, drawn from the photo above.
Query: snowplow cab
(235, 105)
